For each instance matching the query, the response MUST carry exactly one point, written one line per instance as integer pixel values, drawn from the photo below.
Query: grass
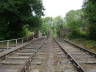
(90, 44)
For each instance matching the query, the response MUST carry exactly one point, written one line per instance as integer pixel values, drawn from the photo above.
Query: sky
(55, 8)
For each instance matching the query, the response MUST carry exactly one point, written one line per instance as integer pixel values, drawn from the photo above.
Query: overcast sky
(61, 7)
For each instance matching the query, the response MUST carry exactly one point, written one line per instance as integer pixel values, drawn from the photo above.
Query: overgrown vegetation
(79, 25)
(46, 25)
(90, 44)
(19, 16)
(89, 10)
(76, 23)
(53, 24)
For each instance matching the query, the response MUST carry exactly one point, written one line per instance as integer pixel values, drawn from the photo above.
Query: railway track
(17, 60)
(84, 60)
(49, 56)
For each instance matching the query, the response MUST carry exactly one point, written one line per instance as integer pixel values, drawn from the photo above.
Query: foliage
(58, 24)
(89, 44)
(75, 22)
(89, 8)
(53, 24)
(46, 25)
(14, 14)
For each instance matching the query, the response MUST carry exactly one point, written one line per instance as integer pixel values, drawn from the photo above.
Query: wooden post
(7, 44)
(22, 41)
(16, 42)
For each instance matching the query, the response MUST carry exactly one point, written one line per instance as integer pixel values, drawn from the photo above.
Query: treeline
(53, 24)
(83, 22)
(80, 23)
(19, 17)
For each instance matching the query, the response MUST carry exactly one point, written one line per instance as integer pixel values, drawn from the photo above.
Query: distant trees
(81, 23)
(58, 24)
(54, 24)
(46, 25)
(14, 14)
(75, 22)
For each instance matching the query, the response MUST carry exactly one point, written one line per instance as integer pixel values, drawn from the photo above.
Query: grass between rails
(90, 44)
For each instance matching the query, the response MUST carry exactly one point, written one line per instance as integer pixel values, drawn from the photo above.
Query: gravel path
(50, 61)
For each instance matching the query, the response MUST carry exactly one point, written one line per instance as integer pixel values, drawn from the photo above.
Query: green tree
(46, 25)
(89, 9)
(14, 14)
(58, 24)
(75, 22)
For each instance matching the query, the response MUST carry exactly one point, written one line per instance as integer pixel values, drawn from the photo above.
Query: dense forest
(19, 18)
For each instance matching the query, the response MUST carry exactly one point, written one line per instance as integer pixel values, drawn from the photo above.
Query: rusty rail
(75, 63)
(27, 65)
(80, 47)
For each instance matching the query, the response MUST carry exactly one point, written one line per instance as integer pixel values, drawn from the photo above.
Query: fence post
(22, 40)
(16, 42)
(27, 38)
(8, 44)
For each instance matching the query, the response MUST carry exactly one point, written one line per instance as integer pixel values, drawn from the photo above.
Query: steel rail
(5, 53)
(80, 47)
(27, 65)
(75, 63)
